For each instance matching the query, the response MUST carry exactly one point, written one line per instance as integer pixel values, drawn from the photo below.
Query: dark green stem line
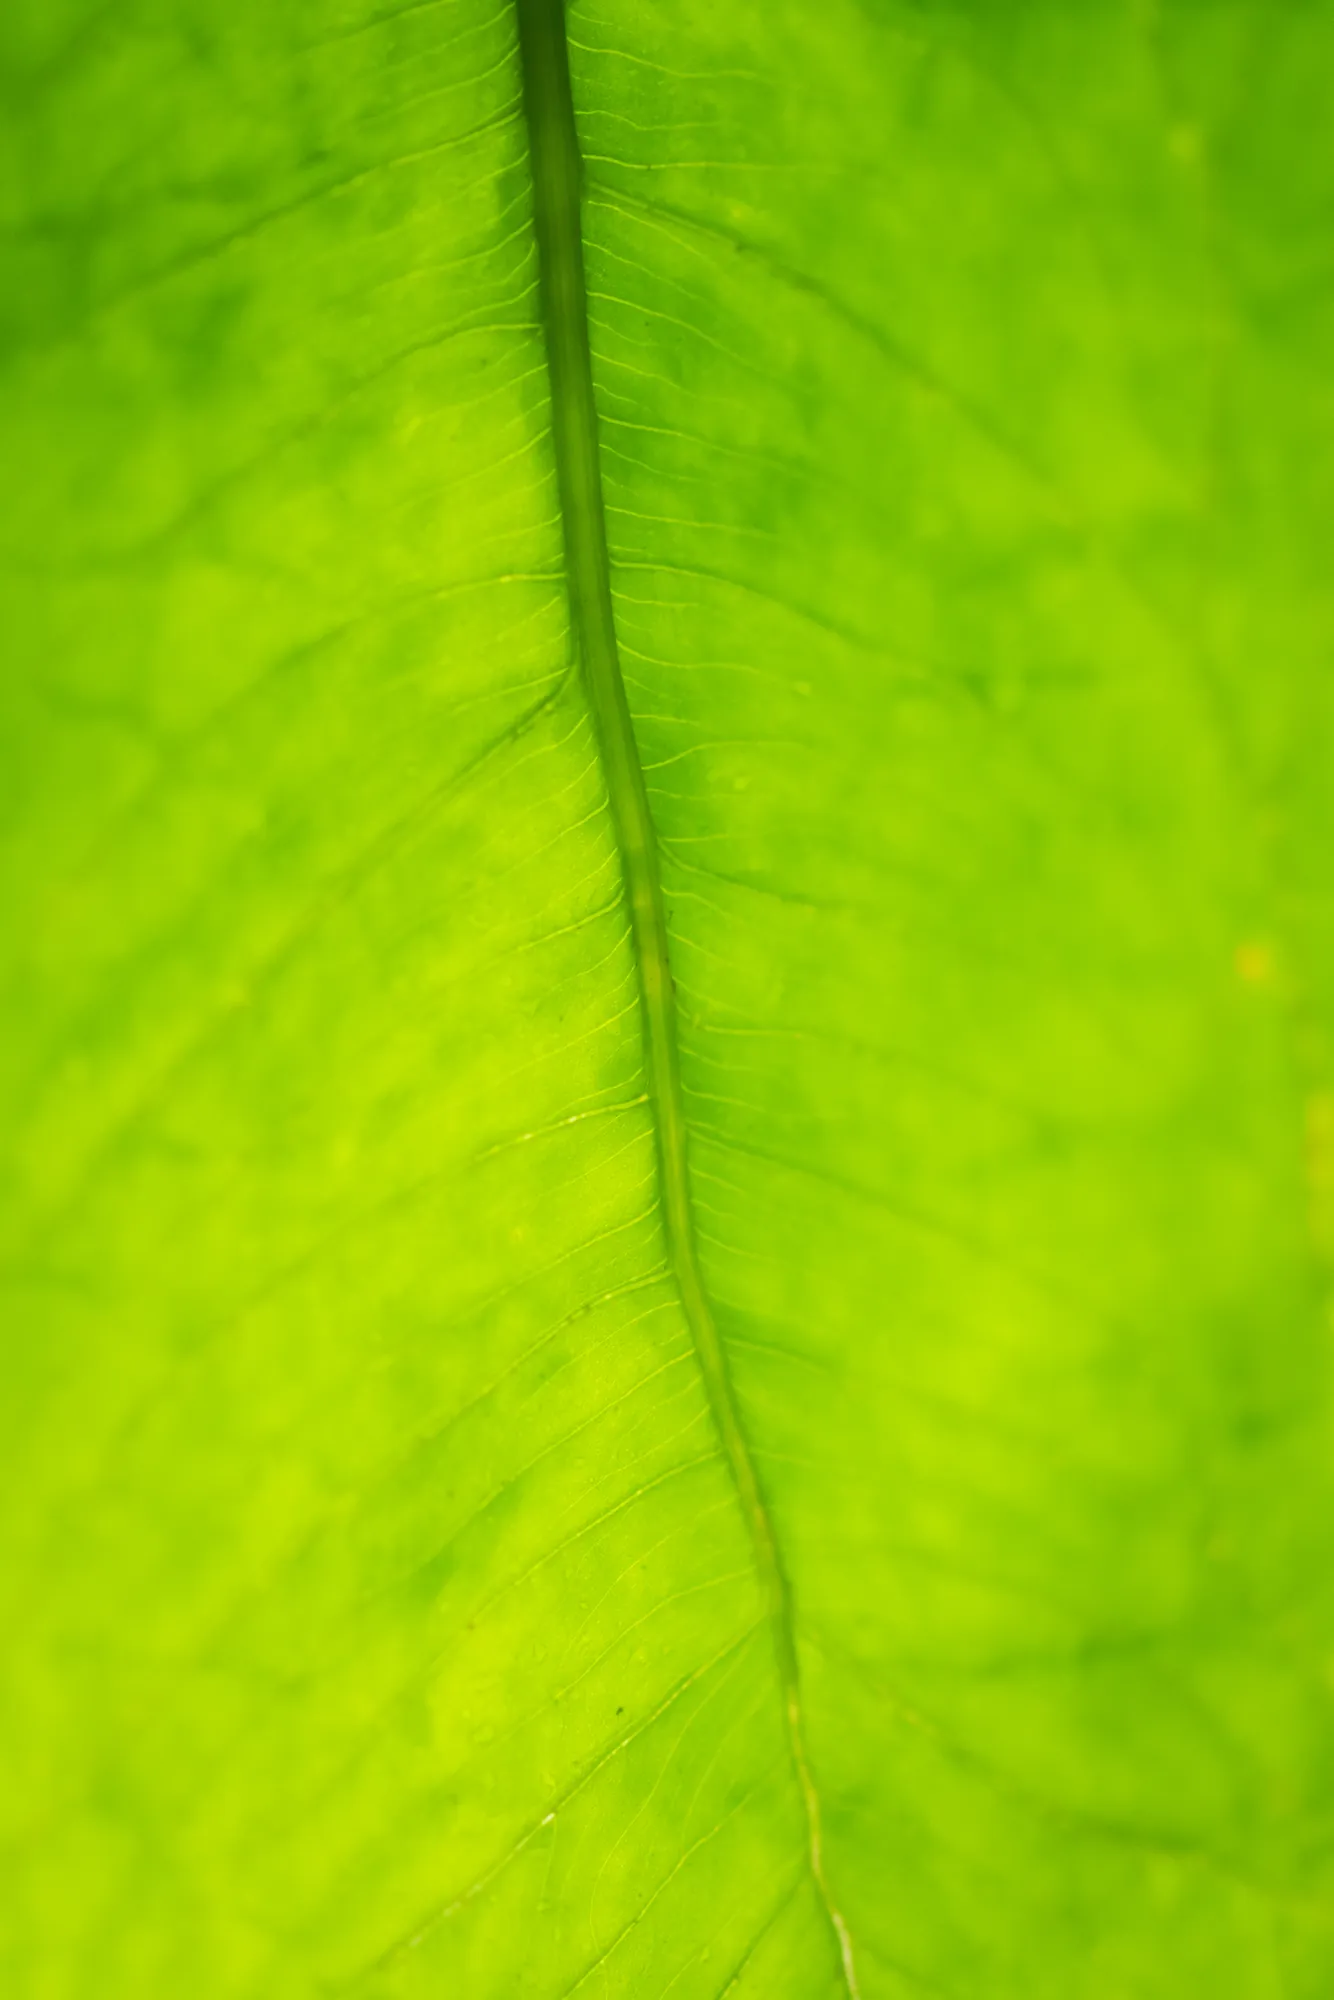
(557, 172)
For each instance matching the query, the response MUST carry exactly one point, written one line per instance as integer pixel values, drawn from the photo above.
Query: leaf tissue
(667, 1000)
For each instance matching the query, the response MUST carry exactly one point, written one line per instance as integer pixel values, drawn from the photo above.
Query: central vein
(556, 168)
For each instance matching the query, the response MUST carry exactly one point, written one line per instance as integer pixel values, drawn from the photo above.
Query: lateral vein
(557, 174)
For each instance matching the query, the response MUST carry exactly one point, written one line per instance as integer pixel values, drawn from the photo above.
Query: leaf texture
(386, 1613)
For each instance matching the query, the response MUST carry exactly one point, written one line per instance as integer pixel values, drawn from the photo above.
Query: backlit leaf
(386, 1607)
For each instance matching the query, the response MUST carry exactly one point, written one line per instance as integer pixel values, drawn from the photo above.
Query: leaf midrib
(557, 170)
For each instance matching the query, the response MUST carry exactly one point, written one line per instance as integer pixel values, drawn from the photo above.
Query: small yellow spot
(1254, 961)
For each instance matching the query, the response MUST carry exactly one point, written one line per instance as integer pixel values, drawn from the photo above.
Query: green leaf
(667, 1000)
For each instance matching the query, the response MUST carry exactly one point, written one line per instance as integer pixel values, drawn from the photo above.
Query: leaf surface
(386, 1611)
